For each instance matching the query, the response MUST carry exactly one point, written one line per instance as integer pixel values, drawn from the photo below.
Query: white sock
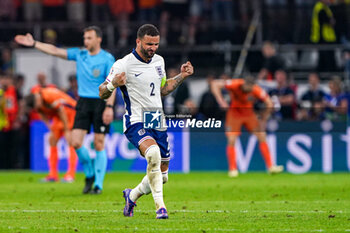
(154, 175)
(141, 189)
(165, 176)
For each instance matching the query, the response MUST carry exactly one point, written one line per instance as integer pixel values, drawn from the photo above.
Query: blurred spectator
(6, 61)
(322, 32)
(247, 8)
(182, 102)
(50, 36)
(9, 134)
(19, 83)
(54, 10)
(3, 116)
(272, 61)
(276, 28)
(23, 120)
(72, 90)
(121, 10)
(32, 10)
(311, 100)
(7, 10)
(335, 102)
(208, 106)
(347, 6)
(99, 10)
(315, 93)
(347, 66)
(173, 11)
(340, 11)
(285, 96)
(147, 11)
(302, 19)
(222, 14)
(11, 108)
(196, 10)
(76, 11)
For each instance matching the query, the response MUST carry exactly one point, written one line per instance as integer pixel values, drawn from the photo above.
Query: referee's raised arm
(28, 40)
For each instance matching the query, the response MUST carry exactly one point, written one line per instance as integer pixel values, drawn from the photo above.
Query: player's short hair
(30, 101)
(94, 28)
(249, 79)
(147, 29)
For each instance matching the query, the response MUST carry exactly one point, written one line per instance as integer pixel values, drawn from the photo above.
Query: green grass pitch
(197, 202)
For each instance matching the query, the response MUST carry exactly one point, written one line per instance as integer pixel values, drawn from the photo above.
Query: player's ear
(138, 41)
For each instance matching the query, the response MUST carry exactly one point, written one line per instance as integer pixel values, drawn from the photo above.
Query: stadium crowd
(181, 21)
(323, 97)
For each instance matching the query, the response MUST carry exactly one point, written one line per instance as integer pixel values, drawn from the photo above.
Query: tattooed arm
(172, 83)
(106, 88)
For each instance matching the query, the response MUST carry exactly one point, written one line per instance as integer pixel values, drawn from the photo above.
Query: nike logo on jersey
(136, 75)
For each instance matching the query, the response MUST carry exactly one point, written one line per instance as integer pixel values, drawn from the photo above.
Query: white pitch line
(179, 211)
(196, 202)
(173, 229)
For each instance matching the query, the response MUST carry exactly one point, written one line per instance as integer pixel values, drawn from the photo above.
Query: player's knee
(76, 143)
(99, 144)
(231, 141)
(152, 156)
(165, 177)
(261, 136)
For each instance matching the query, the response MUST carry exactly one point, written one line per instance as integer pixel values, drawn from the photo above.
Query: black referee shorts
(89, 112)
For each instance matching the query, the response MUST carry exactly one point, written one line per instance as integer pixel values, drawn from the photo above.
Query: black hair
(147, 29)
(96, 29)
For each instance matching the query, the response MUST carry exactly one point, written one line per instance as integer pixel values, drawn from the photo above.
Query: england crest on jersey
(159, 71)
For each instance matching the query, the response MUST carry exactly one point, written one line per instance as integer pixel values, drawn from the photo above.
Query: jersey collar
(139, 57)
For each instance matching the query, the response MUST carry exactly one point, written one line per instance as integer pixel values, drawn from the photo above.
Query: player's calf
(154, 175)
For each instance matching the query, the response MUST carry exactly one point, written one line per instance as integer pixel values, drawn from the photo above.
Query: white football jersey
(142, 89)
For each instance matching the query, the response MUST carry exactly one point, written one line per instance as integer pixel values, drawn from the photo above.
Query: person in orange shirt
(57, 110)
(244, 93)
(41, 83)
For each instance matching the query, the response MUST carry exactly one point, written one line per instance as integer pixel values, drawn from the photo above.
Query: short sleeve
(117, 68)
(232, 83)
(72, 53)
(229, 84)
(51, 97)
(109, 63)
(259, 93)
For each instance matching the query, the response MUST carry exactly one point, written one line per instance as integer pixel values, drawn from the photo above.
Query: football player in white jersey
(141, 77)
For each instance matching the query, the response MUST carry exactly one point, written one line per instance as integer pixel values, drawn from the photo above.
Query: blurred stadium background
(307, 134)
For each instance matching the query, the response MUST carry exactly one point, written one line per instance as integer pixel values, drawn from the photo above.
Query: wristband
(33, 46)
(110, 87)
(109, 106)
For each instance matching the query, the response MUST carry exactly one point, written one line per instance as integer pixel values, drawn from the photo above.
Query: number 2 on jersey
(152, 91)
